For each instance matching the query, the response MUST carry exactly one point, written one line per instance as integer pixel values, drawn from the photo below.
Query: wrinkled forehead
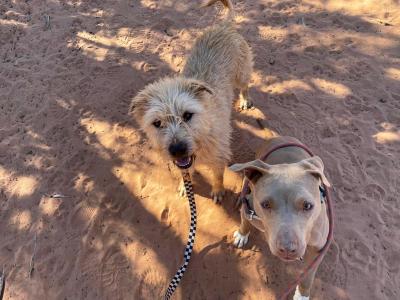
(287, 181)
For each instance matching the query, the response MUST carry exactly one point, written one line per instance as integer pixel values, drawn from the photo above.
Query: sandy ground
(326, 72)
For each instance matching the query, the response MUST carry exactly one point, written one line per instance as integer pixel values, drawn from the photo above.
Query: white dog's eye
(187, 116)
(266, 204)
(157, 123)
(307, 206)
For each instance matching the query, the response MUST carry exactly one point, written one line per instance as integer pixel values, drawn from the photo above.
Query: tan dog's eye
(307, 206)
(266, 204)
(187, 116)
(157, 124)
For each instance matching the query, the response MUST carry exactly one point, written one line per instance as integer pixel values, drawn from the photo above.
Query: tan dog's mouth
(184, 162)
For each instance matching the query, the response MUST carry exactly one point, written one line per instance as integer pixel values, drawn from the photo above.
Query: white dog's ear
(253, 170)
(197, 88)
(315, 166)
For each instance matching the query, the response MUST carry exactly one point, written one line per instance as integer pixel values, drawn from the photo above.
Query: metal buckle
(322, 193)
(251, 214)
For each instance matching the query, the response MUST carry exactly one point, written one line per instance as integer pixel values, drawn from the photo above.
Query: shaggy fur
(220, 61)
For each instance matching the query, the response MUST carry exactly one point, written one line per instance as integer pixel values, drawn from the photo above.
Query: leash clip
(322, 193)
(251, 214)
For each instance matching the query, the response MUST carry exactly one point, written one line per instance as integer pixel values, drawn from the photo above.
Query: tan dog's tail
(226, 3)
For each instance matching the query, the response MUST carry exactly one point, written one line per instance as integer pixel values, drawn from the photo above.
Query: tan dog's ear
(197, 88)
(138, 105)
(315, 166)
(253, 170)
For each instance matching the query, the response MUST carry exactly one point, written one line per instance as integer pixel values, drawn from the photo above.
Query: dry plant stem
(32, 262)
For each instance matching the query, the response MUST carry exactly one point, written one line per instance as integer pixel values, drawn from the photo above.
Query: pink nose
(287, 248)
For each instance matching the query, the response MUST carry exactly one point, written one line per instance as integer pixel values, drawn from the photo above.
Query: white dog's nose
(287, 246)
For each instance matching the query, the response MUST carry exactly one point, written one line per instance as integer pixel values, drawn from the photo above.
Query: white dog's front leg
(298, 296)
(240, 239)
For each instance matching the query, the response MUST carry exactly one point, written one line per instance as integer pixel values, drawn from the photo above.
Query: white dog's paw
(298, 296)
(240, 239)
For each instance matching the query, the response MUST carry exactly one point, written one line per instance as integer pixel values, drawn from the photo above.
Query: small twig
(253, 249)
(56, 195)
(32, 263)
(2, 283)
(301, 21)
(47, 24)
(384, 23)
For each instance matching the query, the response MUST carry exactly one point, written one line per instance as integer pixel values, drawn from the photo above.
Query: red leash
(324, 249)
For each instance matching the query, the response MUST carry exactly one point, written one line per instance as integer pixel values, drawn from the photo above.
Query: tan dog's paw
(218, 196)
(240, 239)
(298, 296)
(245, 104)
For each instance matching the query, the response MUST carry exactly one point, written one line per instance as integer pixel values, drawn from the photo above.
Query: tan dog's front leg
(181, 189)
(241, 236)
(303, 290)
(217, 185)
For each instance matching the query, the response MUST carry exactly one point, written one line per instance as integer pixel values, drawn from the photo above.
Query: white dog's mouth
(288, 259)
(184, 162)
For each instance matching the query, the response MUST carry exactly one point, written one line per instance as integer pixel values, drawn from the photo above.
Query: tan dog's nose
(178, 149)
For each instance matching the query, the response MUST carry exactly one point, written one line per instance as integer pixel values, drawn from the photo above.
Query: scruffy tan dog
(187, 117)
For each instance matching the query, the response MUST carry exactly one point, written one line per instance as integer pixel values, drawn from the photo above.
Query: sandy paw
(217, 196)
(298, 296)
(240, 239)
(245, 104)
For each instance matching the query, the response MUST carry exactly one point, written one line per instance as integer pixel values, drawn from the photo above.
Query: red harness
(326, 195)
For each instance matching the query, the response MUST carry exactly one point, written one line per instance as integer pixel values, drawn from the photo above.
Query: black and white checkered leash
(192, 233)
